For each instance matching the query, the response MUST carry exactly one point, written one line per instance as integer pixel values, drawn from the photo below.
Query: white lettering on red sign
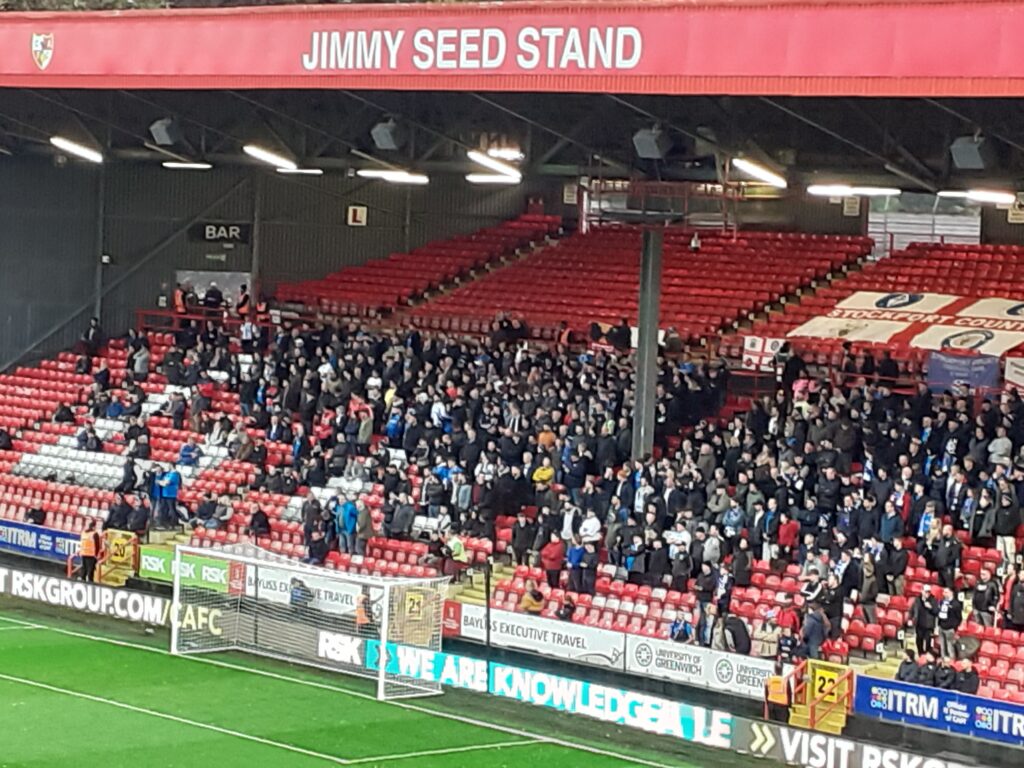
(553, 49)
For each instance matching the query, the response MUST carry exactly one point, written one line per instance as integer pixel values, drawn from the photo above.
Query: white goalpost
(243, 598)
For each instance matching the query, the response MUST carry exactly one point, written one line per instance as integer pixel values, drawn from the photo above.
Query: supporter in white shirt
(590, 528)
(678, 539)
(438, 413)
(567, 522)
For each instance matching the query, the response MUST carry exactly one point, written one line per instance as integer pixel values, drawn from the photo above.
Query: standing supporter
(705, 586)
(742, 565)
(167, 485)
(723, 589)
(985, 600)
(552, 558)
(922, 619)
(815, 631)
(574, 563)
(945, 556)
(364, 527)
(1007, 521)
(588, 568)
(524, 533)
(895, 568)
(766, 638)
(1014, 601)
(867, 593)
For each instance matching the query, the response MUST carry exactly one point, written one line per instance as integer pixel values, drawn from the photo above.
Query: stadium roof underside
(721, 80)
(901, 141)
(950, 49)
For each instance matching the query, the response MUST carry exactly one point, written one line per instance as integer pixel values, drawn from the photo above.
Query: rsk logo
(342, 649)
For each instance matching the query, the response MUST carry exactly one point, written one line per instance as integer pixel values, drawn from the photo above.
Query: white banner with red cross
(759, 353)
(991, 326)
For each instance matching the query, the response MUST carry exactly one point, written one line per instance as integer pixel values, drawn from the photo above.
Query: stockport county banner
(990, 326)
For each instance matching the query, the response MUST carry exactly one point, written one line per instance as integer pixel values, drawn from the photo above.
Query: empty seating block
(386, 284)
(593, 277)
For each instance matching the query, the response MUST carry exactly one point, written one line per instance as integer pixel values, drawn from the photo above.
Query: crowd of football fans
(839, 478)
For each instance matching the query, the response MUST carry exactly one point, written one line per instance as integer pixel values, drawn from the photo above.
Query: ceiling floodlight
(76, 149)
(842, 190)
(511, 154)
(271, 158)
(302, 171)
(175, 165)
(489, 162)
(759, 172)
(393, 176)
(493, 178)
(995, 197)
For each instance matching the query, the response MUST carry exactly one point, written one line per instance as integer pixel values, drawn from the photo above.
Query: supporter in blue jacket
(345, 521)
(190, 453)
(573, 558)
(167, 484)
(891, 526)
(813, 634)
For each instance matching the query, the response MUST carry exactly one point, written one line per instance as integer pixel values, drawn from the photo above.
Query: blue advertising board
(36, 541)
(564, 694)
(939, 709)
(430, 666)
(613, 705)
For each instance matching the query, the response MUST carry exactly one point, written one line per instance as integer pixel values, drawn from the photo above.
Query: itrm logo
(879, 698)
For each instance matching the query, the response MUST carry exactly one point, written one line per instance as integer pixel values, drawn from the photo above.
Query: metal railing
(840, 691)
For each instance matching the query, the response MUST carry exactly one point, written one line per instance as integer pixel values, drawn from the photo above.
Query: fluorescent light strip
(759, 172)
(76, 149)
(302, 171)
(980, 196)
(991, 196)
(512, 154)
(174, 165)
(393, 176)
(271, 158)
(493, 178)
(495, 165)
(842, 190)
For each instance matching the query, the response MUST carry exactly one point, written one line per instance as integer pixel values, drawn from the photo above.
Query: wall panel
(996, 229)
(51, 214)
(47, 251)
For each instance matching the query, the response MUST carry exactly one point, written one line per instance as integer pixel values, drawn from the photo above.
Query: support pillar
(101, 212)
(255, 287)
(649, 306)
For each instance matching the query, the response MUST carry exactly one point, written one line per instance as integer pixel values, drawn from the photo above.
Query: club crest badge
(42, 50)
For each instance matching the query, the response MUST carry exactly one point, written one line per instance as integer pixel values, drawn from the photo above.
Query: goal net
(243, 598)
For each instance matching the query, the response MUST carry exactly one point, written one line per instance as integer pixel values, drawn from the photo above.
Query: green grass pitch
(80, 692)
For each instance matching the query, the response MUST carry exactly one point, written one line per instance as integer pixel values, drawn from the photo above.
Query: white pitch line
(175, 719)
(19, 629)
(446, 751)
(356, 694)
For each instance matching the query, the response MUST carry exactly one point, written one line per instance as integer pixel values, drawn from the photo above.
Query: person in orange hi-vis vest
(89, 550)
(365, 626)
